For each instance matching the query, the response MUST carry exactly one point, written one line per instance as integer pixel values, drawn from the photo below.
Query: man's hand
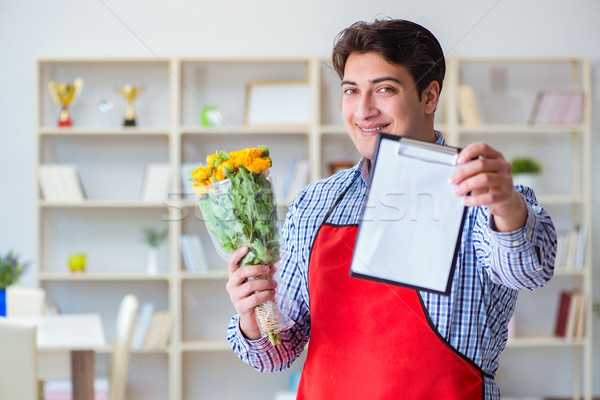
(489, 179)
(245, 293)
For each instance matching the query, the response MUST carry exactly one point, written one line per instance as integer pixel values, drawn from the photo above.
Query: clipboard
(411, 224)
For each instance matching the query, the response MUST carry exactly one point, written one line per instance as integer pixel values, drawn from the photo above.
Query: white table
(81, 335)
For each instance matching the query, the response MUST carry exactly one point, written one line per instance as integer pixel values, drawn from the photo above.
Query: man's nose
(366, 107)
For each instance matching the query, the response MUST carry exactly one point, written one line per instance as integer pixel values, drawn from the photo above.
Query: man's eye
(349, 91)
(385, 89)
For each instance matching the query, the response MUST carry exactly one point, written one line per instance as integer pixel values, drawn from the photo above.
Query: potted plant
(11, 270)
(525, 171)
(154, 238)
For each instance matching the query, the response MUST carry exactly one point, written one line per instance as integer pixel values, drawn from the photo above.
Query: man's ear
(431, 97)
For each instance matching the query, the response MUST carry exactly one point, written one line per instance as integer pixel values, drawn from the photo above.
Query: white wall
(152, 28)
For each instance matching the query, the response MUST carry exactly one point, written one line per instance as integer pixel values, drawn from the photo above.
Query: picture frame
(277, 103)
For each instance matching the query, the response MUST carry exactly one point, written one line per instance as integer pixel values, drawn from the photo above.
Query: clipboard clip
(426, 151)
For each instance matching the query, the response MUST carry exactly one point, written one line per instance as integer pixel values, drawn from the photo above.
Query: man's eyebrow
(378, 80)
(385, 78)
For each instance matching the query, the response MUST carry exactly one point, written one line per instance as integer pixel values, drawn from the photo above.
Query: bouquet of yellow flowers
(238, 205)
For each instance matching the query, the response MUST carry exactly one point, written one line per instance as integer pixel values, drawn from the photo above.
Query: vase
(2, 302)
(530, 180)
(152, 267)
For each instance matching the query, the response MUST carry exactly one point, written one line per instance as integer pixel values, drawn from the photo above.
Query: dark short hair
(398, 42)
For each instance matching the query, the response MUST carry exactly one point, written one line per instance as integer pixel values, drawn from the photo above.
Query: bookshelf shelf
(153, 350)
(125, 132)
(511, 129)
(245, 130)
(544, 341)
(101, 276)
(205, 345)
(99, 204)
(216, 274)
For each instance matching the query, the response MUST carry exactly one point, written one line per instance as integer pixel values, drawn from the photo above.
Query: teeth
(372, 129)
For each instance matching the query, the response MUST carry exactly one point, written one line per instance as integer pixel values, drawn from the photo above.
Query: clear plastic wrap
(240, 210)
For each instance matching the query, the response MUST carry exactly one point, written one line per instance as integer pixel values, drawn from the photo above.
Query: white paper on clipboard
(412, 221)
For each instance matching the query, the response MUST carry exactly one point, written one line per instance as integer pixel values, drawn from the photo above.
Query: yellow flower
(259, 164)
(210, 159)
(201, 174)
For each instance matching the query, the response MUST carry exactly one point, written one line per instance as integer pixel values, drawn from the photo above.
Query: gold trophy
(66, 95)
(130, 93)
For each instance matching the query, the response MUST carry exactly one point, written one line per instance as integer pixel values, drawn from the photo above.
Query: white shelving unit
(197, 363)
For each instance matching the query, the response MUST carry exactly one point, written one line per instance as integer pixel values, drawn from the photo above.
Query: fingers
(487, 177)
(476, 150)
(245, 291)
(234, 260)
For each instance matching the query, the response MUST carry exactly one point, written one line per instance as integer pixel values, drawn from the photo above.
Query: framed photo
(340, 165)
(277, 103)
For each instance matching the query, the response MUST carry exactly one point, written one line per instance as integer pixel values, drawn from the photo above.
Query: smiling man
(373, 341)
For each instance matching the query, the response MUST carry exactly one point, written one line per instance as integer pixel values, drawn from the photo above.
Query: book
(553, 107)
(578, 331)
(194, 253)
(60, 182)
(141, 325)
(156, 183)
(187, 253)
(186, 186)
(200, 253)
(574, 305)
(467, 106)
(158, 330)
(296, 179)
(571, 254)
(562, 243)
(562, 314)
(579, 259)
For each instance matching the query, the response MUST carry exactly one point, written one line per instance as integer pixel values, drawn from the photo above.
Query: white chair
(18, 363)
(119, 362)
(114, 387)
(25, 301)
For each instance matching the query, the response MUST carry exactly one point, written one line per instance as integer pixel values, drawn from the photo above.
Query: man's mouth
(371, 130)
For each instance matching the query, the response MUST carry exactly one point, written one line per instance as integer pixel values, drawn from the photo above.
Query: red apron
(374, 341)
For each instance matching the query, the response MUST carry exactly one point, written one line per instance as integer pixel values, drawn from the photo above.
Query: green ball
(211, 116)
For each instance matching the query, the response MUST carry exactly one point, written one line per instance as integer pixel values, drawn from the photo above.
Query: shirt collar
(364, 165)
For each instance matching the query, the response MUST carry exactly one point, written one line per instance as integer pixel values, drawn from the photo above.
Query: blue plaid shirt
(491, 268)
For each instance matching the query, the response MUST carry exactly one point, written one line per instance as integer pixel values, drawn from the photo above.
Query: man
(375, 341)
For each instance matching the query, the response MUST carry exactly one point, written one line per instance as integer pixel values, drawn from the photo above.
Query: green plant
(11, 269)
(154, 237)
(525, 165)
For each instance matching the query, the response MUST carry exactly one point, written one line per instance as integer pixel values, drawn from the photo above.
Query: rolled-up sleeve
(523, 258)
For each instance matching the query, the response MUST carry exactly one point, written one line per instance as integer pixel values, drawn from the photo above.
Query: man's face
(382, 97)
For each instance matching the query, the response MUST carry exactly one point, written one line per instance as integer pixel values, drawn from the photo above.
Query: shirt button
(516, 243)
(529, 235)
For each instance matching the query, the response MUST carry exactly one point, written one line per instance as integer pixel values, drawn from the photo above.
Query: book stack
(60, 183)
(570, 314)
(570, 252)
(151, 329)
(557, 107)
(156, 183)
(194, 253)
